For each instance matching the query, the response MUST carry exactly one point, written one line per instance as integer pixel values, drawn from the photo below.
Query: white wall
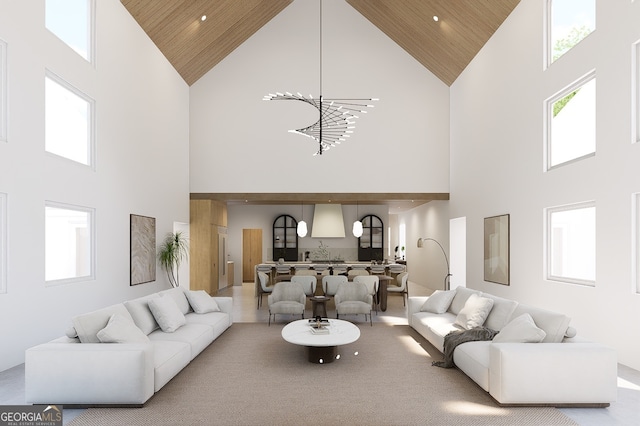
(142, 163)
(427, 265)
(497, 166)
(240, 143)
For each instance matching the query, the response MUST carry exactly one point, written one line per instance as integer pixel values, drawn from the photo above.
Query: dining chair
(262, 286)
(307, 282)
(377, 270)
(356, 272)
(402, 287)
(283, 272)
(330, 284)
(395, 269)
(339, 270)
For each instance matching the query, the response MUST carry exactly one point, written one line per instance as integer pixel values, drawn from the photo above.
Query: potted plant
(173, 250)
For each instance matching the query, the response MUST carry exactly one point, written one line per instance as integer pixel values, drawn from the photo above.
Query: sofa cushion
(167, 313)
(87, 325)
(500, 312)
(169, 358)
(475, 311)
(438, 302)
(554, 324)
(462, 294)
(473, 358)
(121, 329)
(521, 329)
(141, 314)
(434, 327)
(201, 302)
(178, 296)
(198, 336)
(218, 321)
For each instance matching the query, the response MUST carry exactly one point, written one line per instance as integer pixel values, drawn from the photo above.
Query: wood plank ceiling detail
(445, 47)
(192, 46)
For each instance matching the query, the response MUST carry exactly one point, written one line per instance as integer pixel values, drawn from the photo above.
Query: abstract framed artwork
(143, 249)
(496, 249)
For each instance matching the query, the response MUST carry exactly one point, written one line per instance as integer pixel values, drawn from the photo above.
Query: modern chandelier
(336, 116)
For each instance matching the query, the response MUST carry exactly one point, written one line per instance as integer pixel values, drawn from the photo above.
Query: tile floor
(625, 411)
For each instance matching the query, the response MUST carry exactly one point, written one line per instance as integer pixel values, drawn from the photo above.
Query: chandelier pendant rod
(320, 118)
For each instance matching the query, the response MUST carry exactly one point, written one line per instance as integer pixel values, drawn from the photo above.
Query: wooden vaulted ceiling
(444, 47)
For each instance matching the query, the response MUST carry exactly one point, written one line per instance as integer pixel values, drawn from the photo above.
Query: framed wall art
(143, 249)
(496, 249)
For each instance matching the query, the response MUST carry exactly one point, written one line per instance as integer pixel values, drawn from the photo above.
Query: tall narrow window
(69, 243)
(636, 240)
(568, 22)
(571, 243)
(3, 242)
(3, 91)
(571, 123)
(636, 90)
(72, 22)
(68, 121)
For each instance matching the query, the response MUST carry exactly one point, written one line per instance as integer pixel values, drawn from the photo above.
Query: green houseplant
(173, 250)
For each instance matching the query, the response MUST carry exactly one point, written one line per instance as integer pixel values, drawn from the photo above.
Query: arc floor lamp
(447, 283)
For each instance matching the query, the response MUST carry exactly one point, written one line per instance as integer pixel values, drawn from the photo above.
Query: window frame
(548, 212)
(91, 32)
(548, 33)
(635, 88)
(3, 91)
(3, 242)
(91, 119)
(548, 121)
(91, 224)
(635, 241)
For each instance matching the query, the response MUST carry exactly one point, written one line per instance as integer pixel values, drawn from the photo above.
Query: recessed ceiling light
(203, 18)
(435, 18)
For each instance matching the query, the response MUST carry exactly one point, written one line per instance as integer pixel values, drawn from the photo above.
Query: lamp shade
(357, 229)
(302, 229)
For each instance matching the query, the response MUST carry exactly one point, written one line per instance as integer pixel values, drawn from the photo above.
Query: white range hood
(327, 221)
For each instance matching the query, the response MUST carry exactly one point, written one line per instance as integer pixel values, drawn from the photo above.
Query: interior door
(458, 251)
(251, 252)
(222, 259)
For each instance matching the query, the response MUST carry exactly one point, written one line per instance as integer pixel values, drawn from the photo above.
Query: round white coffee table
(322, 348)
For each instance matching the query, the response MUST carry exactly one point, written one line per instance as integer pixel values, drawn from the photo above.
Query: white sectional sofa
(538, 360)
(122, 354)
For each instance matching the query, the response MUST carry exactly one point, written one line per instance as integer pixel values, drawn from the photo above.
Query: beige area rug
(251, 376)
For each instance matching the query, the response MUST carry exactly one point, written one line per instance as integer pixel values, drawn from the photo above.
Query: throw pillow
(201, 302)
(553, 323)
(520, 330)
(167, 314)
(87, 325)
(141, 314)
(438, 302)
(500, 313)
(475, 311)
(121, 329)
(71, 332)
(178, 295)
(462, 294)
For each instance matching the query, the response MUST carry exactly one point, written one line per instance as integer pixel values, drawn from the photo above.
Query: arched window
(285, 238)
(371, 243)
